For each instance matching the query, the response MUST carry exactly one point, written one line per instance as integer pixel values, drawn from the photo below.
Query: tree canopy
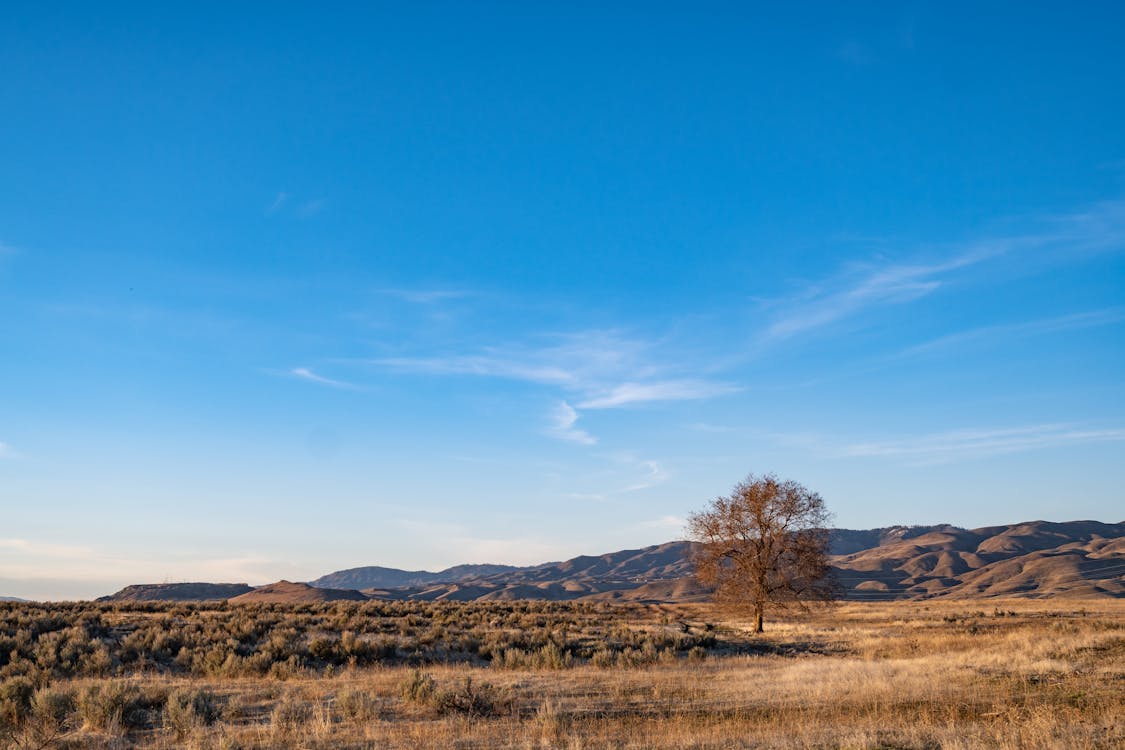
(764, 546)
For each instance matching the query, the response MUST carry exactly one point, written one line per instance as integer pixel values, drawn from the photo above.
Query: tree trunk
(758, 618)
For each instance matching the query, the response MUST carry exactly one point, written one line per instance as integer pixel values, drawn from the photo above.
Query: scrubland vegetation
(937, 674)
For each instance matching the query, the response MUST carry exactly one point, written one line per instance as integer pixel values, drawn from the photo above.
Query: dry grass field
(930, 674)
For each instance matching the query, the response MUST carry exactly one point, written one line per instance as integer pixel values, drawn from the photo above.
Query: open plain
(1002, 673)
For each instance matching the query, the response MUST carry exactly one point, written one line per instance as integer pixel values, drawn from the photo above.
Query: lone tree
(764, 546)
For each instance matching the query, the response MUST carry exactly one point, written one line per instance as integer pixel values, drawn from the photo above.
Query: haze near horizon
(296, 291)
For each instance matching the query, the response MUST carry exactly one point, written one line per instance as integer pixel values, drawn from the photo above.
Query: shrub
(227, 742)
(117, 704)
(325, 649)
(603, 658)
(553, 657)
(549, 656)
(553, 726)
(15, 701)
(474, 701)
(289, 714)
(52, 707)
(189, 709)
(357, 705)
(417, 688)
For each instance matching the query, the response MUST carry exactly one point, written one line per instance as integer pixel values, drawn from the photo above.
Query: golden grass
(1014, 674)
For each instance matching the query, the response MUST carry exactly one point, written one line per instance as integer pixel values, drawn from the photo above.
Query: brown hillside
(668, 560)
(296, 593)
(680, 590)
(1033, 559)
(177, 592)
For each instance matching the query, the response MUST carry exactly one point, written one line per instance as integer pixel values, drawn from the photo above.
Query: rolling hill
(287, 592)
(1038, 558)
(376, 577)
(1031, 559)
(177, 592)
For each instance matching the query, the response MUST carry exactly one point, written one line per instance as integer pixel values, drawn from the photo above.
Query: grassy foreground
(969, 674)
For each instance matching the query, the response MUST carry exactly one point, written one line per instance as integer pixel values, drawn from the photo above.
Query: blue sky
(286, 289)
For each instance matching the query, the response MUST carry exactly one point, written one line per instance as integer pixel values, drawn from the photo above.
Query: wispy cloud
(613, 368)
(1096, 229)
(277, 204)
(955, 445)
(668, 390)
(664, 522)
(1058, 324)
(708, 427)
(829, 302)
(469, 547)
(311, 208)
(1058, 239)
(45, 549)
(603, 369)
(563, 418)
(653, 474)
(425, 296)
(5, 450)
(592, 370)
(305, 373)
(621, 473)
(487, 365)
(287, 204)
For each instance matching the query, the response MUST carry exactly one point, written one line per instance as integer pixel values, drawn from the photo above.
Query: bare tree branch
(764, 546)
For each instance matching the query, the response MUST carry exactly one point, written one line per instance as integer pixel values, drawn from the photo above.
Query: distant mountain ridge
(847, 541)
(152, 592)
(1036, 558)
(374, 576)
(1030, 559)
(579, 577)
(288, 592)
